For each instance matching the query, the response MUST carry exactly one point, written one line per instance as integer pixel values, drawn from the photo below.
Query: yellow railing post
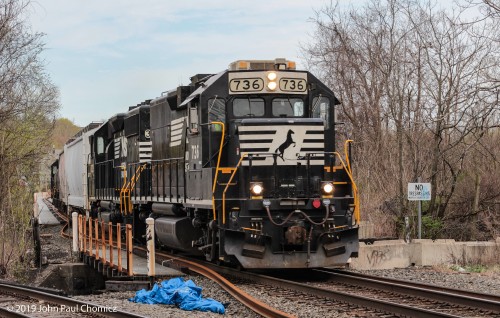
(103, 242)
(90, 237)
(84, 223)
(130, 258)
(119, 245)
(110, 241)
(96, 224)
(80, 234)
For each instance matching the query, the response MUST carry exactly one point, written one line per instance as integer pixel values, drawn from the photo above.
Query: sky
(108, 55)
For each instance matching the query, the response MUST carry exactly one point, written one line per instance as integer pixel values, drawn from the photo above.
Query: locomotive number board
(260, 82)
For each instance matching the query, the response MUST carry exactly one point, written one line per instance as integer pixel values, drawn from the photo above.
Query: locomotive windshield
(248, 107)
(288, 107)
(278, 107)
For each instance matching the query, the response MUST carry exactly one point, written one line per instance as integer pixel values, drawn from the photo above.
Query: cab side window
(216, 110)
(100, 145)
(321, 109)
(193, 118)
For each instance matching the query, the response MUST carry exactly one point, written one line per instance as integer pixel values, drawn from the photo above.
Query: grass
(476, 268)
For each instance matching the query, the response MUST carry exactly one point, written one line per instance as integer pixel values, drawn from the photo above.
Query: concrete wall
(391, 254)
(73, 278)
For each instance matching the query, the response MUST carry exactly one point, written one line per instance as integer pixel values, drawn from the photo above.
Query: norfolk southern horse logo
(288, 142)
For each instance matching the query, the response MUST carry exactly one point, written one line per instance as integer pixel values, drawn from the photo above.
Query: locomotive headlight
(271, 86)
(256, 188)
(271, 76)
(327, 187)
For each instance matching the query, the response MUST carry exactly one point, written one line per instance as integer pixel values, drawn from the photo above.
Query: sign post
(419, 192)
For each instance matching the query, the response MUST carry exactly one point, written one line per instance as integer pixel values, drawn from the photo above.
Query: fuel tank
(177, 233)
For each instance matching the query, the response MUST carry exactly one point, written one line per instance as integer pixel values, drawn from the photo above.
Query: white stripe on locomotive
(284, 143)
(176, 131)
(145, 151)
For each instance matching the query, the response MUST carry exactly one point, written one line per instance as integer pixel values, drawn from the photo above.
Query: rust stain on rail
(247, 300)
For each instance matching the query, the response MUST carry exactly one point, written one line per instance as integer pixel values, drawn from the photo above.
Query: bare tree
(417, 89)
(456, 65)
(489, 8)
(28, 105)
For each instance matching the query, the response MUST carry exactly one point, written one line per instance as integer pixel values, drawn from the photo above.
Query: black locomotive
(239, 167)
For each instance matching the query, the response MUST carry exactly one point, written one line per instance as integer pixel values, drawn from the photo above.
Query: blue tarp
(176, 291)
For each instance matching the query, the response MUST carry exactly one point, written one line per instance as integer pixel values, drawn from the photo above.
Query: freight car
(71, 189)
(238, 167)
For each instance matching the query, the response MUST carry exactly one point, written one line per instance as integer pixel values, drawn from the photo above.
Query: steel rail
(61, 217)
(5, 313)
(376, 304)
(450, 295)
(55, 299)
(252, 303)
(210, 270)
(53, 209)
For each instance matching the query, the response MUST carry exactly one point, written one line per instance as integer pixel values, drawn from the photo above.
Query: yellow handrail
(243, 155)
(126, 206)
(356, 197)
(132, 183)
(354, 188)
(122, 190)
(136, 175)
(218, 164)
(346, 168)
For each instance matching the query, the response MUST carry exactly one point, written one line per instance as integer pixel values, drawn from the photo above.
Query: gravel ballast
(56, 249)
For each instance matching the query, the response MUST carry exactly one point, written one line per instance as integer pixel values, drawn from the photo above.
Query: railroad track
(356, 305)
(353, 303)
(424, 300)
(439, 299)
(250, 302)
(61, 217)
(347, 292)
(481, 301)
(203, 269)
(365, 297)
(19, 301)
